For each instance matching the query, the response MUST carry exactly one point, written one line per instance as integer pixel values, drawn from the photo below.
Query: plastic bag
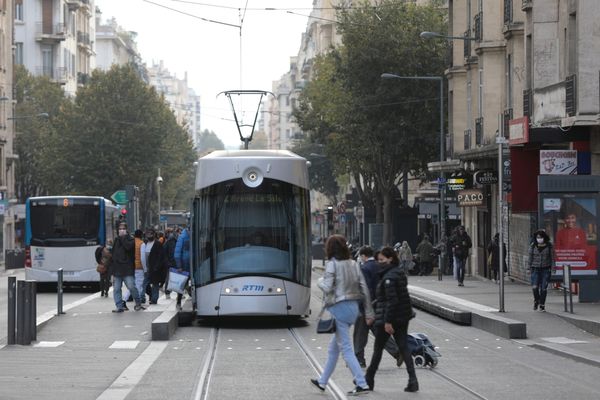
(177, 280)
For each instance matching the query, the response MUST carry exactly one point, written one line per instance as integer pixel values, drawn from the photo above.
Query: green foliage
(209, 141)
(376, 129)
(118, 131)
(320, 173)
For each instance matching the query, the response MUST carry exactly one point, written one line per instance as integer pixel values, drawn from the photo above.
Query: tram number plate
(253, 288)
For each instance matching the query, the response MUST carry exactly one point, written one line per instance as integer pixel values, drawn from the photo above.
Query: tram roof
(223, 165)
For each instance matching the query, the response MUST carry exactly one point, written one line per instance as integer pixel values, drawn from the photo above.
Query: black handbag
(325, 325)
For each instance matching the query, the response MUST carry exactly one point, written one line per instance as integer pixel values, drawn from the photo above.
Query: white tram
(250, 234)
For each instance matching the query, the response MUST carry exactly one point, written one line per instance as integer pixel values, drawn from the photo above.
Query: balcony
(508, 12)
(46, 32)
(83, 78)
(467, 139)
(83, 38)
(479, 131)
(571, 95)
(506, 117)
(59, 75)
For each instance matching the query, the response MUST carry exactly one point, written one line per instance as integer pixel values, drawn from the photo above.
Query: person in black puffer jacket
(393, 311)
(541, 261)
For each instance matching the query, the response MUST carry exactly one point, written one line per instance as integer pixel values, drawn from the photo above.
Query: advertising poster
(571, 224)
(558, 162)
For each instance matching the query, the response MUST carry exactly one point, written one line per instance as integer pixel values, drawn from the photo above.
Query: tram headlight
(252, 177)
(279, 290)
(227, 290)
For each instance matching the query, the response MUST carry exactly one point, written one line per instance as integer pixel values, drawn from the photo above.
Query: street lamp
(442, 210)
(159, 181)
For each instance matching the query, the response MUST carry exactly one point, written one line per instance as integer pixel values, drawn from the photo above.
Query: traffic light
(330, 219)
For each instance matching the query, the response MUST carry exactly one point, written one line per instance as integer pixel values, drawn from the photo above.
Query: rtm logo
(253, 288)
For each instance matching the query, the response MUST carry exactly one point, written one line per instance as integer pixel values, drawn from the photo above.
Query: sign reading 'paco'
(470, 198)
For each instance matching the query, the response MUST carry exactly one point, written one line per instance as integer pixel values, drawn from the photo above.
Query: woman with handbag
(344, 288)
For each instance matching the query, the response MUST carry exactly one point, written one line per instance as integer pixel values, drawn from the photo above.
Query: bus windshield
(56, 223)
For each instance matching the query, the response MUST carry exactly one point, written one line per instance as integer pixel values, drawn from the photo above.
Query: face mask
(122, 232)
(540, 240)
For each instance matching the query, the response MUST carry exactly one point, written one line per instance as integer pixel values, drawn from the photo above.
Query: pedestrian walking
(141, 281)
(424, 252)
(182, 257)
(370, 269)
(406, 258)
(541, 260)
(154, 262)
(494, 256)
(461, 243)
(344, 288)
(103, 259)
(393, 311)
(123, 267)
(170, 252)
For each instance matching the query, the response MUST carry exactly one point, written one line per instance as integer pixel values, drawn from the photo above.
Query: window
(19, 10)
(19, 53)
(509, 82)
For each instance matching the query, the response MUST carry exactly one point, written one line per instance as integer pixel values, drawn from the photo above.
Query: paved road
(91, 353)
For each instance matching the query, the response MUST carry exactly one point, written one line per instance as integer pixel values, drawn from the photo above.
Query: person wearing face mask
(540, 265)
(154, 262)
(123, 267)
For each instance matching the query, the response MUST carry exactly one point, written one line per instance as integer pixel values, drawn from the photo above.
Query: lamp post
(159, 181)
(442, 185)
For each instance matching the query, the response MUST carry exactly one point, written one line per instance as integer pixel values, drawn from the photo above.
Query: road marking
(52, 313)
(124, 344)
(48, 344)
(134, 373)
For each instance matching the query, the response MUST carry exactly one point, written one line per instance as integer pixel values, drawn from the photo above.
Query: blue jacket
(370, 270)
(182, 251)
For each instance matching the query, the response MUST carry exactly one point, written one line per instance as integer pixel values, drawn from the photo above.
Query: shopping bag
(326, 323)
(177, 280)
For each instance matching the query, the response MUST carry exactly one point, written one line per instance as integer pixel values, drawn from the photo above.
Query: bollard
(567, 287)
(12, 304)
(59, 291)
(33, 310)
(27, 313)
(21, 312)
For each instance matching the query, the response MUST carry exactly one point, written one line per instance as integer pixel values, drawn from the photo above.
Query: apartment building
(56, 38)
(7, 157)
(526, 71)
(180, 97)
(115, 45)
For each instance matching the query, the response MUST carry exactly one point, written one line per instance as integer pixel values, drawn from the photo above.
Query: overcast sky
(214, 55)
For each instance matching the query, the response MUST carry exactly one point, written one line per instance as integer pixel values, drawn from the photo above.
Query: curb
(567, 353)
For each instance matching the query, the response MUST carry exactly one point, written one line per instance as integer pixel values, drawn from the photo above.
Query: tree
(208, 142)
(321, 175)
(39, 101)
(378, 131)
(119, 131)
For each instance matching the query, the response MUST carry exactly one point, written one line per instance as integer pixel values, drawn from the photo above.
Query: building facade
(7, 157)
(56, 38)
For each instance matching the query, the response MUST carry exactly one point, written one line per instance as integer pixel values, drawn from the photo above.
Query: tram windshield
(251, 231)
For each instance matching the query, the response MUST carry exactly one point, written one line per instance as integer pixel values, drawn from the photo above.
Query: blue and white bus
(64, 232)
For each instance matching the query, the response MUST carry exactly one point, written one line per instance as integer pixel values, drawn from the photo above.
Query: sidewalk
(576, 335)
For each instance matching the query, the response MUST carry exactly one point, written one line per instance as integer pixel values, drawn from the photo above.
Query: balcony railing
(508, 12)
(467, 44)
(479, 131)
(83, 38)
(44, 29)
(478, 26)
(56, 74)
(467, 139)
(527, 102)
(82, 78)
(571, 95)
(506, 117)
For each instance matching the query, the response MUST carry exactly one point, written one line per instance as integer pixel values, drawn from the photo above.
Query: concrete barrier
(498, 325)
(451, 314)
(165, 325)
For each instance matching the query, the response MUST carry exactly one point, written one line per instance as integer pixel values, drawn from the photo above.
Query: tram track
(201, 390)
